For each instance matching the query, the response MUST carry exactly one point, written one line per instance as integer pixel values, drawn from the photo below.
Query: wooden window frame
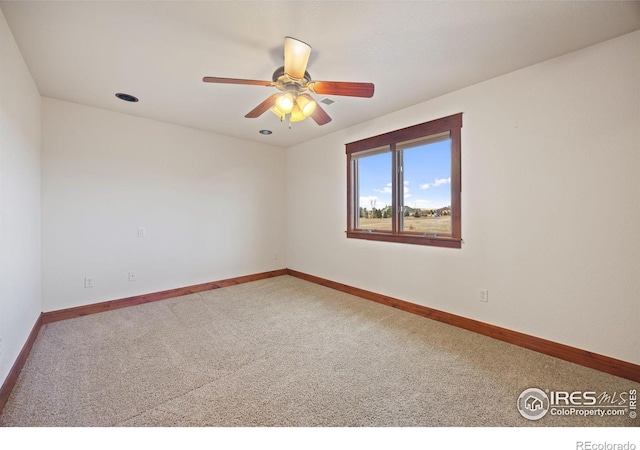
(451, 124)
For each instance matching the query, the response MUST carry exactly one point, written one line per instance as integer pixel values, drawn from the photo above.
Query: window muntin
(417, 169)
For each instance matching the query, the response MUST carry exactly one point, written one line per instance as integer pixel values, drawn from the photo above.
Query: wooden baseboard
(12, 377)
(69, 313)
(585, 358)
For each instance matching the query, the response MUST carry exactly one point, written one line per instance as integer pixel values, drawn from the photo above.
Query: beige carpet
(283, 352)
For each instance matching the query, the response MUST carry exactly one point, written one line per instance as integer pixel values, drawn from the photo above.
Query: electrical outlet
(483, 295)
(141, 232)
(276, 256)
(132, 276)
(88, 282)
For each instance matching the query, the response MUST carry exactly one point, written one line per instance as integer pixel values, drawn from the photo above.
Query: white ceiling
(86, 51)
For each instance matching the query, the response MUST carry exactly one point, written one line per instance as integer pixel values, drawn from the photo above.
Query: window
(404, 186)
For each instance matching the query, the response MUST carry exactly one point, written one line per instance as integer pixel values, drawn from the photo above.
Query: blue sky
(427, 177)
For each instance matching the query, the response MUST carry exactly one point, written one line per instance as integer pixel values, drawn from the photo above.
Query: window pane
(427, 186)
(374, 191)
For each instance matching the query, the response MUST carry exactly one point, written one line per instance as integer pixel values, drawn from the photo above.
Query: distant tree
(363, 213)
(407, 213)
(417, 213)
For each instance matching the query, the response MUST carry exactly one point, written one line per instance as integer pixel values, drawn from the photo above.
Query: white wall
(20, 302)
(550, 205)
(212, 206)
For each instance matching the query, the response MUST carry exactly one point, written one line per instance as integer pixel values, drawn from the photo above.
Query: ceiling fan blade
(320, 116)
(296, 57)
(262, 107)
(345, 88)
(236, 81)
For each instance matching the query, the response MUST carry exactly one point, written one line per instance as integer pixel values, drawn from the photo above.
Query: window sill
(434, 241)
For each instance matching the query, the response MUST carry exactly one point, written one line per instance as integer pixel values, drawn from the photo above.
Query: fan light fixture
(285, 103)
(306, 104)
(294, 110)
(293, 81)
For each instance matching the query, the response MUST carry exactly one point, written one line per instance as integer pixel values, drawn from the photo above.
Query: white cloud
(440, 181)
(366, 202)
(437, 182)
(385, 190)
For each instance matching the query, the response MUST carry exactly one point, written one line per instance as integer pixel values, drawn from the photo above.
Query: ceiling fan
(293, 103)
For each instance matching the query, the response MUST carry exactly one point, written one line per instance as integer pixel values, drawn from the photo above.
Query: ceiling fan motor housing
(280, 77)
